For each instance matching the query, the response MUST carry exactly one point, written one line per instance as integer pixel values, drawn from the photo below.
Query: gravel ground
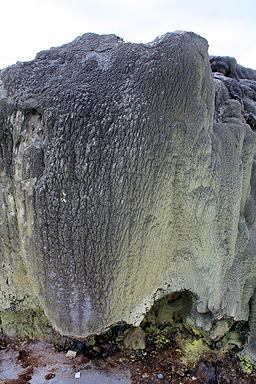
(171, 355)
(40, 363)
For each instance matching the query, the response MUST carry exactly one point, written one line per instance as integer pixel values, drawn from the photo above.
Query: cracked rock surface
(127, 173)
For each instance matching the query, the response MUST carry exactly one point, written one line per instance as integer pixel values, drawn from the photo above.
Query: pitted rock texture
(236, 96)
(124, 178)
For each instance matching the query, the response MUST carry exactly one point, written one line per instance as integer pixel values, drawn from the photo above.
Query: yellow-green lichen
(33, 325)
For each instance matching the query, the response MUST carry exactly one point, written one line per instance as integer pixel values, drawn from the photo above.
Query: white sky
(29, 26)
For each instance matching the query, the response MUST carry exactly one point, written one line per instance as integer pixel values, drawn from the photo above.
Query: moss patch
(33, 325)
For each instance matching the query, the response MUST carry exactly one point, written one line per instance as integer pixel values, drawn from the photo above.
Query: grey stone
(205, 374)
(71, 354)
(125, 176)
(220, 329)
(135, 339)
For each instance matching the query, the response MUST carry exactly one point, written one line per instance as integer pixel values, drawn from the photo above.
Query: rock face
(126, 175)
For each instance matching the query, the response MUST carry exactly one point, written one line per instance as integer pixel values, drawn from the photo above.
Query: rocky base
(170, 327)
(166, 347)
(176, 354)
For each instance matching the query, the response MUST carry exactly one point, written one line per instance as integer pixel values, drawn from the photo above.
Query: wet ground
(39, 362)
(176, 355)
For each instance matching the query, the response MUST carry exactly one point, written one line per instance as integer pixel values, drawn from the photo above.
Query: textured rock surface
(236, 96)
(125, 175)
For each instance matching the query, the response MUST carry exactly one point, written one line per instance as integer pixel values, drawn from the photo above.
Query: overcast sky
(29, 26)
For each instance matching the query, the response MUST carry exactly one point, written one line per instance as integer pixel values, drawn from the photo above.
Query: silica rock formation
(127, 173)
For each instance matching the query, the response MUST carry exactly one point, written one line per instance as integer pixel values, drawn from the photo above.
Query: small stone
(49, 376)
(71, 354)
(81, 359)
(219, 329)
(180, 373)
(135, 339)
(78, 375)
(160, 376)
(234, 338)
(205, 374)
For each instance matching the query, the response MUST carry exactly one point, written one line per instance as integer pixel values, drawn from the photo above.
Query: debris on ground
(172, 353)
(71, 354)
